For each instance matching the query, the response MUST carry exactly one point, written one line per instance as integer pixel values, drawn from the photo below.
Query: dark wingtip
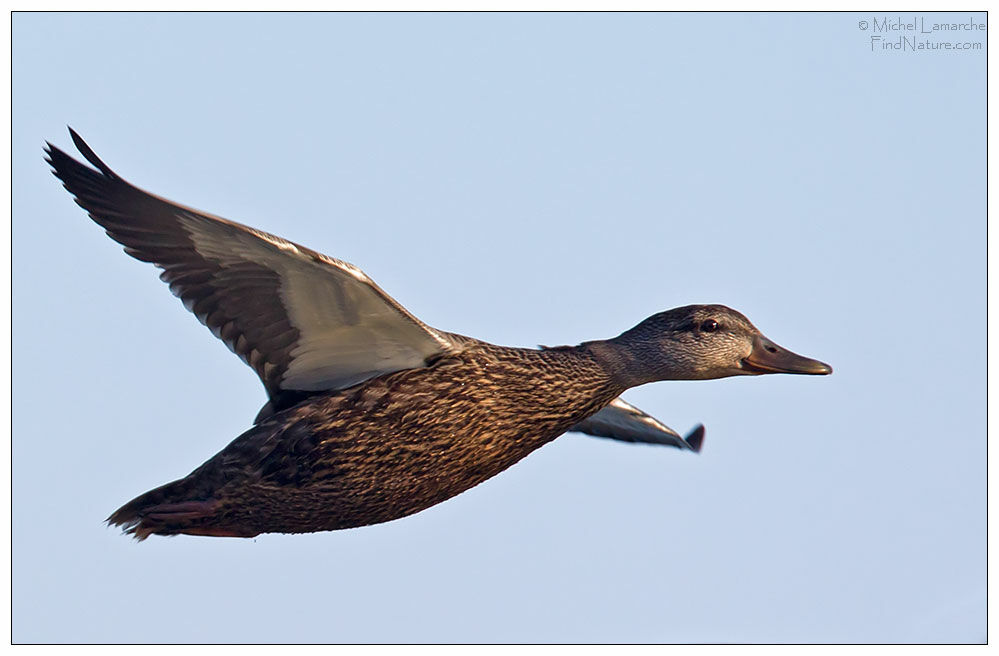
(77, 139)
(89, 154)
(695, 438)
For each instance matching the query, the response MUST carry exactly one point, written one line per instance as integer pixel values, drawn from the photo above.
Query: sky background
(524, 179)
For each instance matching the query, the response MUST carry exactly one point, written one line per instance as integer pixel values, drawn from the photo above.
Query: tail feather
(170, 510)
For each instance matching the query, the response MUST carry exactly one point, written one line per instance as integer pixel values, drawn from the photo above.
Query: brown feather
(387, 448)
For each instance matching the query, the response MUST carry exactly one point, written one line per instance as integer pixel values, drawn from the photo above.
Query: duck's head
(699, 342)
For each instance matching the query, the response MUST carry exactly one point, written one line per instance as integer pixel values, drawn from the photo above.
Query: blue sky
(524, 179)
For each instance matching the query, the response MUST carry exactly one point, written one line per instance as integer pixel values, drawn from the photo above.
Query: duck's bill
(768, 358)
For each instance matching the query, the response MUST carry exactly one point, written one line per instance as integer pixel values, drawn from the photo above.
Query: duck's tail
(172, 509)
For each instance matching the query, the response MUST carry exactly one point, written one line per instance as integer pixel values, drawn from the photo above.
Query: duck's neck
(630, 363)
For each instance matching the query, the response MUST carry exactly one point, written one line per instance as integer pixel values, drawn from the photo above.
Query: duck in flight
(373, 415)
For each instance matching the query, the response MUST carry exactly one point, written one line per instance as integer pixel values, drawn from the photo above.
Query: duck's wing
(303, 321)
(622, 421)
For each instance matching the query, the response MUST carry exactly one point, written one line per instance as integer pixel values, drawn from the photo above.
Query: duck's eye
(709, 326)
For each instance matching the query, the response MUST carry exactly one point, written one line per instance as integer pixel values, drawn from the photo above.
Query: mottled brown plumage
(388, 448)
(372, 414)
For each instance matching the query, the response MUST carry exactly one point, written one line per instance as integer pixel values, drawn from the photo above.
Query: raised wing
(622, 421)
(303, 321)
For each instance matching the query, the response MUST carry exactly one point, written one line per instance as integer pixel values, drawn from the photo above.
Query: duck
(373, 415)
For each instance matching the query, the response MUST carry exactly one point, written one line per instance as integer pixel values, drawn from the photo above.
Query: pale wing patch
(622, 421)
(349, 330)
(348, 333)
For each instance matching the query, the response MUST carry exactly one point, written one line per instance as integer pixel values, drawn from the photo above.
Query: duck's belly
(390, 448)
